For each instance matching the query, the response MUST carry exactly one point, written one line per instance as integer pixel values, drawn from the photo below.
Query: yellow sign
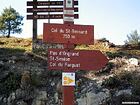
(68, 79)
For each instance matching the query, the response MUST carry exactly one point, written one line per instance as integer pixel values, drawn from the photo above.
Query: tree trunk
(8, 36)
(9, 29)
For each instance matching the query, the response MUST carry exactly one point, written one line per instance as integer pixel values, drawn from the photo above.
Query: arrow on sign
(50, 16)
(47, 3)
(30, 10)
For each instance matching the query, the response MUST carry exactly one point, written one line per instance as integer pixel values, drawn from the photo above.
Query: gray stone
(20, 94)
(1, 98)
(41, 98)
(21, 103)
(59, 87)
(38, 102)
(123, 92)
(56, 97)
(1, 63)
(94, 99)
(11, 98)
(5, 100)
(42, 95)
(133, 61)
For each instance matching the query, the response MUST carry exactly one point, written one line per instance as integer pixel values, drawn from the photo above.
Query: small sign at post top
(69, 3)
(68, 79)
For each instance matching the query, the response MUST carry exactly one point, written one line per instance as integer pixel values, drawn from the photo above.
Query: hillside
(25, 79)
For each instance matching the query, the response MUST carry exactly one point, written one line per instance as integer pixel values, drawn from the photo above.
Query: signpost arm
(34, 38)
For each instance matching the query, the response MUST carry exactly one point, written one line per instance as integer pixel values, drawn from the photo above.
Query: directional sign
(48, 3)
(66, 33)
(50, 16)
(68, 79)
(30, 10)
(60, 59)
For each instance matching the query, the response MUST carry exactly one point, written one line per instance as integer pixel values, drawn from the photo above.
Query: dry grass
(26, 44)
(16, 43)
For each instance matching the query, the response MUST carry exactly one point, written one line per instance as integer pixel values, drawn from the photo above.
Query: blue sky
(112, 19)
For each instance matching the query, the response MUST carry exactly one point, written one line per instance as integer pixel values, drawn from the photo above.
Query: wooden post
(49, 13)
(68, 18)
(68, 91)
(68, 95)
(34, 37)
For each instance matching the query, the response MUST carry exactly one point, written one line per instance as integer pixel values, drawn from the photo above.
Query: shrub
(133, 38)
(136, 86)
(35, 79)
(116, 54)
(112, 82)
(125, 76)
(10, 83)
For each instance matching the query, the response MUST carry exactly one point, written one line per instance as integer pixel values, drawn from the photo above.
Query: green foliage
(35, 79)
(136, 86)
(10, 22)
(133, 38)
(116, 54)
(10, 83)
(125, 76)
(112, 82)
(124, 79)
(103, 40)
(121, 79)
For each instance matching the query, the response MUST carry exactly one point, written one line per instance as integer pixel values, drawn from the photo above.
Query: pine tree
(133, 38)
(10, 22)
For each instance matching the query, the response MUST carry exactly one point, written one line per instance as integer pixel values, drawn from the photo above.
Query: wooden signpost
(68, 59)
(68, 34)
(49, 16)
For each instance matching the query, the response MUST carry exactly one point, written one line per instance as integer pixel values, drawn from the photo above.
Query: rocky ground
(25, 79)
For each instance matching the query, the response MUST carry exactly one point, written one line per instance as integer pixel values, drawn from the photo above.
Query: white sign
(69, 3)
(69, 19)
(69, 12)
(68, 79)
